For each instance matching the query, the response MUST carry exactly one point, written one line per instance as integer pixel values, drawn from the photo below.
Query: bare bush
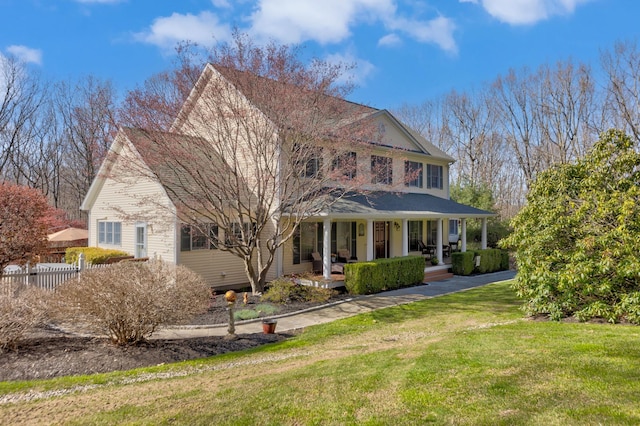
(21, 309)
(129, 300)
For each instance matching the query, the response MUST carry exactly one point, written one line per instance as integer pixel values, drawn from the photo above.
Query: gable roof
(340, 112)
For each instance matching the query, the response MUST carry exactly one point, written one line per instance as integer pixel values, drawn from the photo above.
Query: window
(381, 170)
(345, 163)
(432, 232)
(308, 161)
(453, 227)
(305, 241)
(110, 233)
(313, 167)
(238, 233)
(413, 174)
(195, 238)
(415, 234)
(434, 176)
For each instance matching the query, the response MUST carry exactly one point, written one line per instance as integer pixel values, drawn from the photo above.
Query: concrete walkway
(342, 309)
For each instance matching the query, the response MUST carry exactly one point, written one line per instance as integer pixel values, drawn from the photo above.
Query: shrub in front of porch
(462, 263)
(492, 260)
(383, 274)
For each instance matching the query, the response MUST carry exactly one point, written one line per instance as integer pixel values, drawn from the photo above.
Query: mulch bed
(53, 352)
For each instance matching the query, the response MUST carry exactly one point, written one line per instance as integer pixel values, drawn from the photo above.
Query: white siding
(119, 200)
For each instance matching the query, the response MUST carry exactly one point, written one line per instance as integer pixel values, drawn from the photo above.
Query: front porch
(432, 273)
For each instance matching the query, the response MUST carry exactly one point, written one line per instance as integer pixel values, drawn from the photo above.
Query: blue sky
(407, 51)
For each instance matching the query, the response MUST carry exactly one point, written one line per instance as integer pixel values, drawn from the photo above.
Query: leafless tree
(264, 142)
(426, 119)
(470, 126)
(621, 66)
(564, 109)
(87, 122)
(21, 95)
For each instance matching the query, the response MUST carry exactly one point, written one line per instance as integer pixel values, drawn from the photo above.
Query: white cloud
(526, 12)
(390, 40)
(204, 29)
(298, 21)
(359, 74)
(329, 21)
(438, 31)
(26, 54)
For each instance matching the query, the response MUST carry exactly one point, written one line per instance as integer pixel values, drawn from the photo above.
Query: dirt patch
(53, 351)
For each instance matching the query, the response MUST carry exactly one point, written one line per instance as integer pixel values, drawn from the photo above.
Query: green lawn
(467, 358)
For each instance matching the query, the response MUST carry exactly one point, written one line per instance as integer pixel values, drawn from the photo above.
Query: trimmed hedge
(383, 274)
(462, 263)
(491, 260)
(93, 255)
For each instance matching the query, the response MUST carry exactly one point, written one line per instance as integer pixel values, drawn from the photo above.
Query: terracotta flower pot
(269, 326)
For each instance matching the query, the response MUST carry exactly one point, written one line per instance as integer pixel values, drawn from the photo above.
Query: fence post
(81, 264)
(27, 278)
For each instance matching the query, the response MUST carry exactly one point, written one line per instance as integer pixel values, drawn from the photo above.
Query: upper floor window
(308, 161)
(413, 174)
(313, 167)
(199, 238)
(345, 164)
(110, 233)
(434, 176)
(381, 170)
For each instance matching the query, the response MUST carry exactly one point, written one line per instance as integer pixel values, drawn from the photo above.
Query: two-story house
(134, 204)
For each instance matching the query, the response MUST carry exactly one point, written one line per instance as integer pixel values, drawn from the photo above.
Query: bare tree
(263, 142)
(622, 69)
(470, 125)
(515, 103)
(564, 109)
(86, 113)
(427, 120)
(20, 97)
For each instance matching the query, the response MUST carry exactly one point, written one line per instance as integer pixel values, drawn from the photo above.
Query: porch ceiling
(382, 204)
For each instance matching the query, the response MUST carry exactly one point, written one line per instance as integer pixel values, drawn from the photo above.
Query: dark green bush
(577, 238)
(490, 260)
(462, 262)
(383, 274)
(504, 261)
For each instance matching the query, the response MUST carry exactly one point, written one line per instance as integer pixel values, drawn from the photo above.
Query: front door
(381, 239)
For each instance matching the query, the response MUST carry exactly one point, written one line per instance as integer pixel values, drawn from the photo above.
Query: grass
(467, 358)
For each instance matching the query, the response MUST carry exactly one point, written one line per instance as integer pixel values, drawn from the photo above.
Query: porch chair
(426, 251)
(316, 260)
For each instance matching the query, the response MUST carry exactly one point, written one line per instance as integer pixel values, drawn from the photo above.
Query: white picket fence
(46, 275)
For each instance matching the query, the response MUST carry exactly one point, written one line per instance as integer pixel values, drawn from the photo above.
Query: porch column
(326, 248)
(405, 237)
(464, 235)
(369, 239)
(484, 233)
(439, 243)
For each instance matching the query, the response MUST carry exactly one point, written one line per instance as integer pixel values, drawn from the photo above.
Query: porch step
(441, 275)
